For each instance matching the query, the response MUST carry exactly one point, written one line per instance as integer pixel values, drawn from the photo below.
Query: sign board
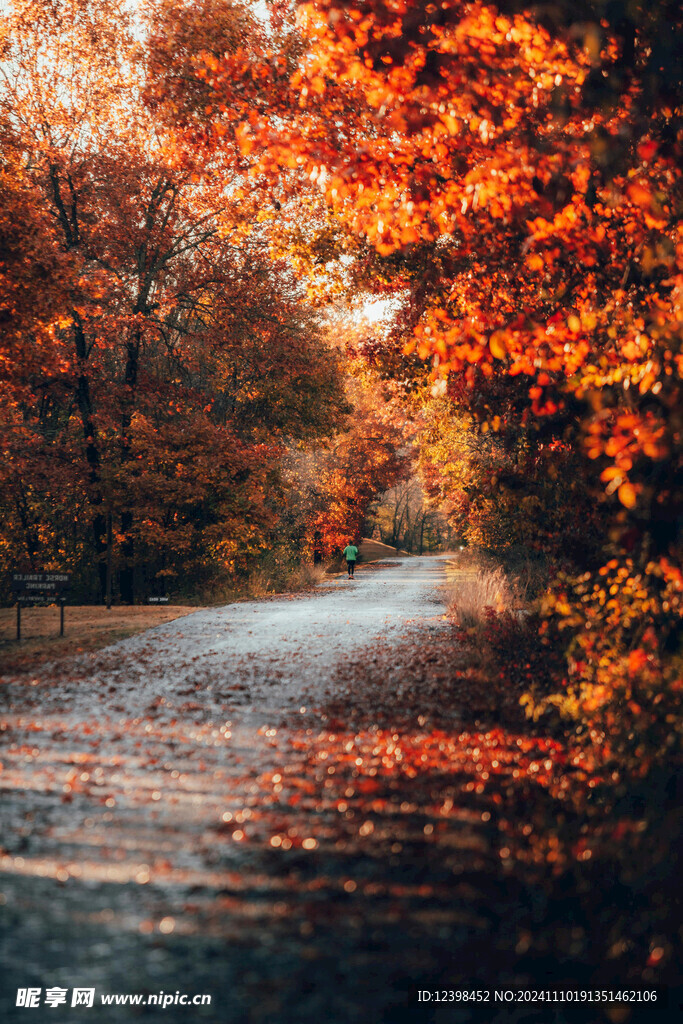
(36, 586)
(157, 600)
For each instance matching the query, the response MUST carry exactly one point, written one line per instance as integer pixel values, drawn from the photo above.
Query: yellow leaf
(497, 345)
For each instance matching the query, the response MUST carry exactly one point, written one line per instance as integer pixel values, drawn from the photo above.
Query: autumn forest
(276, 277)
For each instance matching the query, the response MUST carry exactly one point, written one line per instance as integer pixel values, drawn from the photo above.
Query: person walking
(350, 554)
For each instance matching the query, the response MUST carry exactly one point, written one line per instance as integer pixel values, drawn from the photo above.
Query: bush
(622, 685)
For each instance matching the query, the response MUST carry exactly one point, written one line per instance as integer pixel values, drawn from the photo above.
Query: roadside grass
(86, 628)
(492, 606)
(472, 595)
(281, 580)
(478, 585)
(270, 579)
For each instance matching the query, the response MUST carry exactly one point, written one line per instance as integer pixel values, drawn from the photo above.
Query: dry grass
(474, 559)
(475, 584)
(266, 582)
(276, 578)
(86, 628)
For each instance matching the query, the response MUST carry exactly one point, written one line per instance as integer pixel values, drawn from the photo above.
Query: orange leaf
(627, 495)
(639, 195)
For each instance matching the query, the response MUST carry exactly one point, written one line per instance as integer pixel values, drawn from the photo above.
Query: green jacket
(350, 552)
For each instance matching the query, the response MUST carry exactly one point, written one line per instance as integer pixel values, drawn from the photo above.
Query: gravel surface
(309, 809)
(292, 642)
(163, 828)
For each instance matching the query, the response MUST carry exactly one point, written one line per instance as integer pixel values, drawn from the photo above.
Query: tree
(166, 331)
(516, 179)
(406, 519)
(362, 461)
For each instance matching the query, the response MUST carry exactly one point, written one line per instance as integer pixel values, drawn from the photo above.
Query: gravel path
(307, 809)
(277, 649)
(163, 828)
(286, 647)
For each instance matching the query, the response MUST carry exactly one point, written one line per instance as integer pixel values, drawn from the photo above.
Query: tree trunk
(92, 455)
(127, 571)
(109, 565)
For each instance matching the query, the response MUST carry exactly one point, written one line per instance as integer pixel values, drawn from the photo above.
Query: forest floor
(313, 808)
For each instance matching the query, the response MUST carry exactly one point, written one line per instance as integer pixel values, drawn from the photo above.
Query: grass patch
(480, 583)
(86, 628)
(275, 580)
(271, 578)
(476, 586)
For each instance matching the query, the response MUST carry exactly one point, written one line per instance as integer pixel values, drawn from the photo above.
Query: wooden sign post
(39, 588)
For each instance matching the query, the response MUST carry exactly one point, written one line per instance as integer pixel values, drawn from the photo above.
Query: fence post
(108, 577)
